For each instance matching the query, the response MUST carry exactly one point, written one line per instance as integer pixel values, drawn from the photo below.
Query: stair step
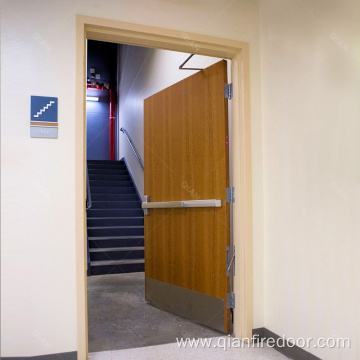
(109, 177)
(91, 213)
(107, 172)
(129, 248)
(106, 183)
(116, 204)
(116, 243)
(116, 227)
(124, 231)
(117, 262)
(115, 237)
(115, 221)
(118, 217)
(114, 197)
(118, 166)
(116, 255)
(105, 162)
(112, 190)
(116, 267)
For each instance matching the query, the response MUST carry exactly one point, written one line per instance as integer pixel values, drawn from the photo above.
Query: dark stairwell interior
(118, 315)
(115, 221)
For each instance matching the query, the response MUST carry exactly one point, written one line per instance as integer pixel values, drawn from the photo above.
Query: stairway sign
(44, 117)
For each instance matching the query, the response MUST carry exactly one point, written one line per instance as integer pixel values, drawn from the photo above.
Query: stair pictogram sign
(44, 109)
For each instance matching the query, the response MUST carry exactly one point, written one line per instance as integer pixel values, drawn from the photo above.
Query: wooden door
(186, 157)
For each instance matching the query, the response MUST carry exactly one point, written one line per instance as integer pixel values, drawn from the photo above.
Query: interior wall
(101, 56)
(310, 53)
(97, 126)
(38, 230)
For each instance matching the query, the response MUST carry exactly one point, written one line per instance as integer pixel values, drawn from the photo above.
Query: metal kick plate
(203, 309)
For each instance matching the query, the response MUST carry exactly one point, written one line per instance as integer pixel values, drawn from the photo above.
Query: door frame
(93, 28)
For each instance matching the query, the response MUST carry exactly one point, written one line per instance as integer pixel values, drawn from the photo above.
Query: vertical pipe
(112, 124)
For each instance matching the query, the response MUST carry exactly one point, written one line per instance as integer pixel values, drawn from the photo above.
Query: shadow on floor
(120, 318)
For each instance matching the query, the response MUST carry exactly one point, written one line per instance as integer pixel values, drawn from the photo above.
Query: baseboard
(258, 334)
(292, 352)
(62, 356)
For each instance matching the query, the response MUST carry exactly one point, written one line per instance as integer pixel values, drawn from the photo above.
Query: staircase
(115, 221)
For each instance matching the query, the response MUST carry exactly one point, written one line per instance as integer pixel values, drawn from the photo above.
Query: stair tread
(116, 237)
(114, 197)
(119, 181)
(106, 166)
(98, 171)
(113, 188)
(104, 161)
(106, 178)
(120, 201)
(117, 217)
(93, 210)
(116, 262)
(116, 208)
(109, 181)
(125, 248)
(92, 213)
(116, 227)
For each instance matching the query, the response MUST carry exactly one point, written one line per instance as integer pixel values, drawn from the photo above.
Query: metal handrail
(132, 147)
(88, 206)
(88, 193)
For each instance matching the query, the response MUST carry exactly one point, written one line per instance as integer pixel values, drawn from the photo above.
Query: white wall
(310, 88)
(38, 304)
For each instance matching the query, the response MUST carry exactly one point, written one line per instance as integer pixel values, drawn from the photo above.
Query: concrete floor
(120, 318)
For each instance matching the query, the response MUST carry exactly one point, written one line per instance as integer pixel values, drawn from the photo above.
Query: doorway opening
(118, 315)
(100, 29)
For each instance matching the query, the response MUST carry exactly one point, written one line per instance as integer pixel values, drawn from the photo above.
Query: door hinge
(230, 195)
(230, 300)
(228, 91)
(230, 261)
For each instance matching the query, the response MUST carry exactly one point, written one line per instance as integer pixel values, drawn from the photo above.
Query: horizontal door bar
(181, 204)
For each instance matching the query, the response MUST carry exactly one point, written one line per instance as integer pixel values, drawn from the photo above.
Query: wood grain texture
(186, 158)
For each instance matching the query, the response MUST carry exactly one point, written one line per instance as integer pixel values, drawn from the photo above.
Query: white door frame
(149, 36)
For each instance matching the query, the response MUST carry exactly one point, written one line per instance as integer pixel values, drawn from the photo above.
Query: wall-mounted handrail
(132, 147)
(88, 206)
(88, 193)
